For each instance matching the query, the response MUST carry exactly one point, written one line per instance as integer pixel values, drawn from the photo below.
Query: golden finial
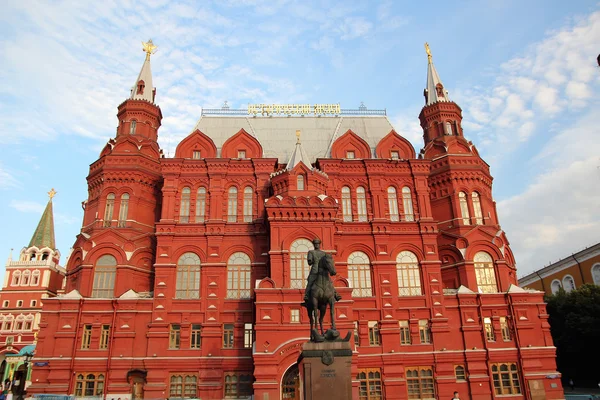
(298, 136)
(52, 193)
(149, 48)
(428, 51)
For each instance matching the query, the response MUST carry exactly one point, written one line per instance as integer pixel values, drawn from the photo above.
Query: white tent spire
(143, 89)
(435, 90)
(299, 155)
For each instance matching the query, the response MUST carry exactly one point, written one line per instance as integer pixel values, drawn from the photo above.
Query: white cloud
(7, 180)
(27, 206)
(354, 27)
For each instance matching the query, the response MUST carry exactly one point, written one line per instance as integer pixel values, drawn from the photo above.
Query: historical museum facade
(568, 273)
(29, 280)
(187, 278)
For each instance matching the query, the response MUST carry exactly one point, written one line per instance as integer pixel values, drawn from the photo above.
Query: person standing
(455, 397)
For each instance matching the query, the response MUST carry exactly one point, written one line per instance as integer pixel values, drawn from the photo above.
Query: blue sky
(524, 74)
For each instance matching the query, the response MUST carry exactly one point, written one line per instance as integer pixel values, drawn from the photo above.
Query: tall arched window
(200, 204)
(477, 208)
(568, 283)
(238, 276)
(464, 208)
(35, 277)
(232, 205)
(132, 126)
(359, 273)
(299, 268)
(188, 277)
(409, 277)
(393, 204)
(109, 209)
(346, 204)
(104, 277)
(26, 278)
(300, 182)
(596, 273)
(184, 207)
(555, 286)
(448, 127)
(361, 204)
(409, 214)
(484, 272)
(16, 278)
(123, 210)
(248, 204)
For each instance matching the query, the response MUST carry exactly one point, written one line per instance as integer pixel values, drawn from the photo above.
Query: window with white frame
(188, 277)
(200, 204)
(393, 204)
(448, 127)
(477, 208)
(407, 203)
(232, 205)
(361, 204)
(109, 209)
(16, 278)
(295, 316)
(464, 208)
(184, 206)
(409, 277)
(238, 276)
(123, 210)
(555, 286)
(299, 268)
(485, 273)
(359, 273)
(300, 182)
(104, 277)
(596, 273)
(35, 277)
(26, 278)
(346, 204)
(197, 154)
(568, 283)
(248, 204)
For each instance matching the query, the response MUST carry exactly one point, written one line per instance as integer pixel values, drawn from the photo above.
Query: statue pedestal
(325, 369)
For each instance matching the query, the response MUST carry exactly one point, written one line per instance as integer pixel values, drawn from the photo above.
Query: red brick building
(187, 277)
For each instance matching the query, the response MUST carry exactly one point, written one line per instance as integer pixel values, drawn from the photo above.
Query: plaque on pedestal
(325, 369)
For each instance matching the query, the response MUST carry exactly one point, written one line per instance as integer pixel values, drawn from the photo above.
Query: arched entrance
(137, 379)
(290, 384)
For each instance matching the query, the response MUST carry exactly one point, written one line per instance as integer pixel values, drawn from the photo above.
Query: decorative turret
(440, 117)
(143, 89)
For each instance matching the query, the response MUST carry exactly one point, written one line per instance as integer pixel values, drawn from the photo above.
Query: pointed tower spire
(299, 155)
(44, 233)
(434, 91)
(143, 89)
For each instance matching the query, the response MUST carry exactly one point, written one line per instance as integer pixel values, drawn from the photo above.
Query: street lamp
(21, 387)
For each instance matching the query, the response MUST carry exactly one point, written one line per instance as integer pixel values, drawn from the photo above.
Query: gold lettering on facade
(294, 109)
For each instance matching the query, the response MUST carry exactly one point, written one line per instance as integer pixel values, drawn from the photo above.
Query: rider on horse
(313, 258)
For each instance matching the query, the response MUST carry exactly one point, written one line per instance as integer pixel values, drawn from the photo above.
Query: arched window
(232, 205)
(299, 268)
(16, 278)
(409, 214)
(359, 273)
(477, 208)
(45, 256)
(184, 207)
(393, 204)
(8, 323)
(409, 277)
(35, 277)
(346, 204)
(596, 273)
(448, 128)
(238, 276)
(464, 208)
(200, 204)
(104, 277)
(361, 204)
(568, 283)
(132, 126)
(123, 210)
(109, 209)
(248, 204)
(555, 286)
(25, 278)
(188, 277)
(300, 182)
(484, 272)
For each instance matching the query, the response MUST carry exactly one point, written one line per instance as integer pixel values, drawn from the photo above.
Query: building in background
(35, 276)
(188, 274)
(569, 273)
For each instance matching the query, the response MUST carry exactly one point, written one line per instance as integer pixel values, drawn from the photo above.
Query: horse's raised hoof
(331, 335)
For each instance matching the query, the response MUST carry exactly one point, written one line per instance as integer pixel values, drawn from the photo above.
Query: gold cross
(52, 193)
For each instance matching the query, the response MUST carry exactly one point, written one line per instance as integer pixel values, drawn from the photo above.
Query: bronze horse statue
(322, 295)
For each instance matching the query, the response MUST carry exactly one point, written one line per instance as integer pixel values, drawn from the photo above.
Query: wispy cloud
(7, 180)
(27, 206)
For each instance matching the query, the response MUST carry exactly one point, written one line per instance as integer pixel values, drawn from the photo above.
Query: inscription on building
(294, 109)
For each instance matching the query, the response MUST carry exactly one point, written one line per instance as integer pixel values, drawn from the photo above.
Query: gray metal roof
(277, 135)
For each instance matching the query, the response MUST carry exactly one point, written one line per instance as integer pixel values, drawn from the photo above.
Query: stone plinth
(325, 369)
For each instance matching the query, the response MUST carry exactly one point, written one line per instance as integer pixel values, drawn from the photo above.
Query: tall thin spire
(434, 91)
(44, 233)
(143, 89)
(299, 155)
